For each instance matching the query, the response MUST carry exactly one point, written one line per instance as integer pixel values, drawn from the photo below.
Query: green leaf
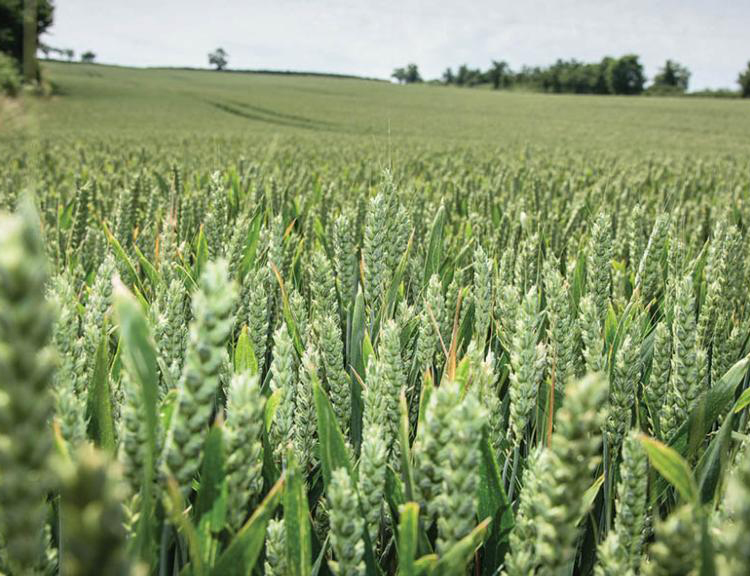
(590, 496)
(99, 403)
(271, 406)
(742, 402)
(708, 557)
(711, 405)
(455, 560)
(153, 276)
(672, 467)
(180, 519)
(713, 462)
(251, 244)
(368, 352)
(244, 355)
(355, 352)
(426, 564)
(168, 404)
(407, 470)
(334, 453)
(139, 355)
(242, 553)
(201, 253)
(212, 494)
(296, 520)
(408, 530)
(122, 256)
(493, 503)
(424, 400)
(394, 495)
(435, 247)
(291, 323)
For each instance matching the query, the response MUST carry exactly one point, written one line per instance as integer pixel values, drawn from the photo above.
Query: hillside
(116, 101)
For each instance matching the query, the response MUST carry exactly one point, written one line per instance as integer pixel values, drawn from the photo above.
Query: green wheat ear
(346, 526)
(27, 363)
(243, 444)
(573, 455)
(205, 358)
(283, 382)
(91, 516)
(275, 564)
(460, 472)
(676, 548)
(527, 361)
(70, 405)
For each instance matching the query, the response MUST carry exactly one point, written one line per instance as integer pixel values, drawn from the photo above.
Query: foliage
(10, 78)
(407, 75)
(218, 58)
(672, 77)
(744, 81)
(12, 24)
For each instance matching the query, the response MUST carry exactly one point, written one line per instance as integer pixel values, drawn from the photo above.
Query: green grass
(145, 103)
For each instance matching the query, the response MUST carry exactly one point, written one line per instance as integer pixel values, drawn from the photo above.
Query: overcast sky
(371, 37)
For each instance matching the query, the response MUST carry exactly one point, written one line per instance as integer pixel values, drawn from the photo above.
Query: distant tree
(468, 76)
(448, 77)
(69, 54)
(673, 76)
(500, 74)
(744, 81)
(218, 58)
(412, 74)
(11, 25)
(601, 84)
(88, 57)
(625, 75)
(408, 75)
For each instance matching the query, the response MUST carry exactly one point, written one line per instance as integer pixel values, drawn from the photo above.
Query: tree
(448, 77)
(625, 75)
(500, 74)
(69, 54)
(88, 57)
(412, 74)
(673, 77)
(468, 76)
(12, 25)
(744, 81)
(218, 58)
(407, 75)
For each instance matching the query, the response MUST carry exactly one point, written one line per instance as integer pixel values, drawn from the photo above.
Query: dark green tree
(408, 75)
(412, 74)
(468, 76)
(11, 24)
(625, 75)
(500, 74)
(218, 58)
(744, 81)
(673, 76)
(448, 77)
(88, 57)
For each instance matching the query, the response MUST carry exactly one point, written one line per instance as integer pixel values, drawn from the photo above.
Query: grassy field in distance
(144, 103)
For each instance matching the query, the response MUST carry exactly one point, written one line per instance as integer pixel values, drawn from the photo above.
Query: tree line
(624, 75)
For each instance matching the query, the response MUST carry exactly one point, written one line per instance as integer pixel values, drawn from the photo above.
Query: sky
(371, 37)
